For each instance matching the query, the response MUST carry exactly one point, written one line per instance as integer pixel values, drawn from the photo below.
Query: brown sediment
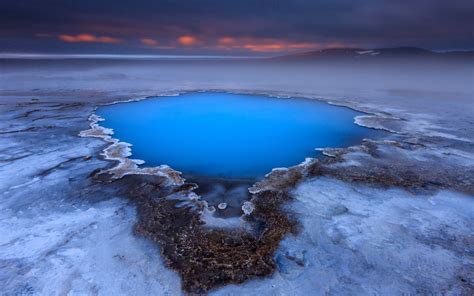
(207, 258)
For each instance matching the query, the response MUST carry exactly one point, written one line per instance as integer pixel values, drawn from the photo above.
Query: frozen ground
(63, 234)
(60, 234)
(360, 240)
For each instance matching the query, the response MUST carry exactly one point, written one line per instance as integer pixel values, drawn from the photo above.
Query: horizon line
(33, 56)
(125, 56)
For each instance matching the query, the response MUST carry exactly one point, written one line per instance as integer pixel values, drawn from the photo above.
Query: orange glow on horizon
(187, 40)
(226, 41)
(266, 45)
(88, 38)
(149, 41)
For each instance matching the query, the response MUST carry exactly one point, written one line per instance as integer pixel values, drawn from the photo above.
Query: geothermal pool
(230, 135)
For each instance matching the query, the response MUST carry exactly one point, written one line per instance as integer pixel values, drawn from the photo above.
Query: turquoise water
(230, 135)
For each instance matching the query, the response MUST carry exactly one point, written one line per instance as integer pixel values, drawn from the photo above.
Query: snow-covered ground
(362, 240)
(61, 233)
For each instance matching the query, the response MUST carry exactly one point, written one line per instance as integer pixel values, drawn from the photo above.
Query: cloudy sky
(231, 27)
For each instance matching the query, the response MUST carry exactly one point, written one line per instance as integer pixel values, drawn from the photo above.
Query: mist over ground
(406, 83)
(425, 79)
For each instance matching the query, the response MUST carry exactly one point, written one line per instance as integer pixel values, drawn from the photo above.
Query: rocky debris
(248, 208)
(279, 180)
(206, 258)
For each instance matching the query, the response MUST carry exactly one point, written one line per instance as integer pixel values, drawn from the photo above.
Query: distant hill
(374, 54)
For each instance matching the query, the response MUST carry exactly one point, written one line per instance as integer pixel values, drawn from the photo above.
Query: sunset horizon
(228, 27)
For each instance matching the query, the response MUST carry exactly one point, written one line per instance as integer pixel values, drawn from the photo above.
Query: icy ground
(360, 240)
(62, 234)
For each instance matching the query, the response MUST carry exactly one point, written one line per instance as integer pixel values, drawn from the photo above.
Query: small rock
(248, 208)
(222, 205)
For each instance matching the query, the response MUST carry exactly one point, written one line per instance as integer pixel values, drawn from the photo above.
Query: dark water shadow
(214, 190)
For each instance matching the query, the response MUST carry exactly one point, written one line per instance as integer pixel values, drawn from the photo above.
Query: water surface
(230, 135)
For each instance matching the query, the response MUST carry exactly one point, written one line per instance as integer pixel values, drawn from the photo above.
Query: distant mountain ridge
(362, 53)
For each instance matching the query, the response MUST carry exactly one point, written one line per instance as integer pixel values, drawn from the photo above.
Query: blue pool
(230, 135)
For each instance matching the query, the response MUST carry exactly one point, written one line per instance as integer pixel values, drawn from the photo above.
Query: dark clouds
(156, 26)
